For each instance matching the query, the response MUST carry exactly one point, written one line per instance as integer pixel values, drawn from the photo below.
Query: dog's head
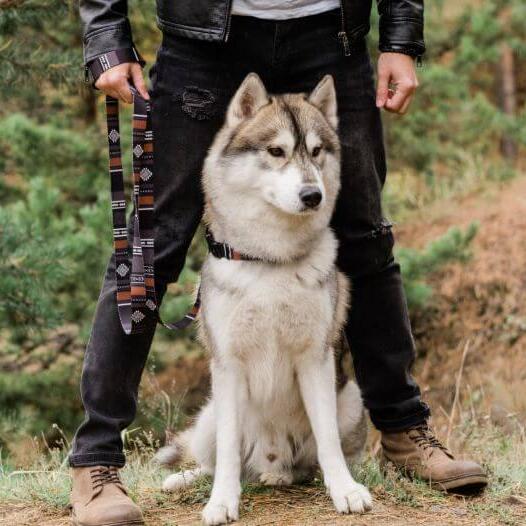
(281, 150)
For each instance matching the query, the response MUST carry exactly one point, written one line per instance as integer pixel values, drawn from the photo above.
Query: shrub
(416, 265)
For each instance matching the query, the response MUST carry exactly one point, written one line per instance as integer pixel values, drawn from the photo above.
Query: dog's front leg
(229, 393)
(316, 376)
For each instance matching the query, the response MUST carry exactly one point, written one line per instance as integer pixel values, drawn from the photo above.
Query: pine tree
(40, 49)
(55, 222)
(456, 117)
(417, 265)
(50, 174)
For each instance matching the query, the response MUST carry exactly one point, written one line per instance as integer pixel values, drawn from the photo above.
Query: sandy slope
(479, 305)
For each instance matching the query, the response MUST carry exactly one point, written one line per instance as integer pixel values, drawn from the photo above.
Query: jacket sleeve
(105, 27)
(402, 26)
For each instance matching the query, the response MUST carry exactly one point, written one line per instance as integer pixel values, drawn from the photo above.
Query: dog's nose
(310, 196)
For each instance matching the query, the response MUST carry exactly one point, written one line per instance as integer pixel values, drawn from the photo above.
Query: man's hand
(116, 81)
(396, 82)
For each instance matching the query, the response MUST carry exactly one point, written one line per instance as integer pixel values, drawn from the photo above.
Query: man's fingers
(382, 90)
(115, 81)
(401, 77)
(121, 93)
(400, 109)
(396, 102)
(112, 93)
(138, 81)
(401, 97)
(123, 89)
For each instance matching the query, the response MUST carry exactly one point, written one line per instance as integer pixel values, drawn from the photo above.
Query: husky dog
(271, 325)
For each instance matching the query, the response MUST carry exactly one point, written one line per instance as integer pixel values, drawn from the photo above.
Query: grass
(46, 484)
(406, 192)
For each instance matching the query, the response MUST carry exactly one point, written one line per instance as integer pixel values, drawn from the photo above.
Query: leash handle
(136, 298)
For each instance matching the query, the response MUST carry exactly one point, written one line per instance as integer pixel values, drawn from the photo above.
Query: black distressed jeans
(192, 83)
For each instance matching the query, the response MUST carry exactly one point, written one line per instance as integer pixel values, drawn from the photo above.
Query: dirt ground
(288, 507)
(475, 327)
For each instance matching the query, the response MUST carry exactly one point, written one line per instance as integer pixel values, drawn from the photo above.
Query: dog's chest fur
(265, 315)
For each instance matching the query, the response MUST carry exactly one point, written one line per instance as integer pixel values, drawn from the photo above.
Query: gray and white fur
(275, 414)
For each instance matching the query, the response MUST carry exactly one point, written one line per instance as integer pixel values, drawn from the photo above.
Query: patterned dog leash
(136, 298)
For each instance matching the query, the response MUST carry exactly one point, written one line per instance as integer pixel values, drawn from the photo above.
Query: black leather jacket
(106, 26)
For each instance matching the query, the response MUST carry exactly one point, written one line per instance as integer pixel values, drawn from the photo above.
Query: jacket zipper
(342, 34)
(228, 20)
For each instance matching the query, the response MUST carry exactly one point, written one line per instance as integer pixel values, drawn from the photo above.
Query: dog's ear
(249, 97)
(323, 96)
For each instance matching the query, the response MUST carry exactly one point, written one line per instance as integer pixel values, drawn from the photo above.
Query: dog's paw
(176, 482)
(276, 479)
(221, 510)
(351, 498)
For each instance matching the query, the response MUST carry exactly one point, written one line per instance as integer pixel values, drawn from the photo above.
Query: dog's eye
(276, 152)
(316, 151)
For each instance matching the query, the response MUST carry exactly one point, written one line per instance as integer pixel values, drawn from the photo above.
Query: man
(208, 47)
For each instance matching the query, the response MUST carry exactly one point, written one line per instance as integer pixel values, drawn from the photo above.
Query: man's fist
(396, 82)
(116, 81)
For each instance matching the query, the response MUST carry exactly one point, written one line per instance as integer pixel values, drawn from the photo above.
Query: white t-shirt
(282, 9)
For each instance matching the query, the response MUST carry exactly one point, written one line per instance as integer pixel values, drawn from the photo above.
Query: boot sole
(463, 484)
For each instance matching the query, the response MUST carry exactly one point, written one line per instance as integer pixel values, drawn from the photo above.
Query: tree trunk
(508, 98)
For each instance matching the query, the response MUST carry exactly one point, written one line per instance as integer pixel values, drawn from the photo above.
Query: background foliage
(54, 212)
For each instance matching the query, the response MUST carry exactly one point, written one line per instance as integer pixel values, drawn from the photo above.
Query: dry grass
(40, 493)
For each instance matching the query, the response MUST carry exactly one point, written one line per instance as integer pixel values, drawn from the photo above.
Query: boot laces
(425, 438)
(104, 475)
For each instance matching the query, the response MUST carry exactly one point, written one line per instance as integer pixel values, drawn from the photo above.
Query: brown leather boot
(418, 453)
(98, 498)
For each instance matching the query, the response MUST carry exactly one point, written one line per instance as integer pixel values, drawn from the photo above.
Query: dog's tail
(174, 452)
(169, 455)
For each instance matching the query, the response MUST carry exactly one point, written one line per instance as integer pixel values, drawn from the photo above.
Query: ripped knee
(366, 254)
(385, 228)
